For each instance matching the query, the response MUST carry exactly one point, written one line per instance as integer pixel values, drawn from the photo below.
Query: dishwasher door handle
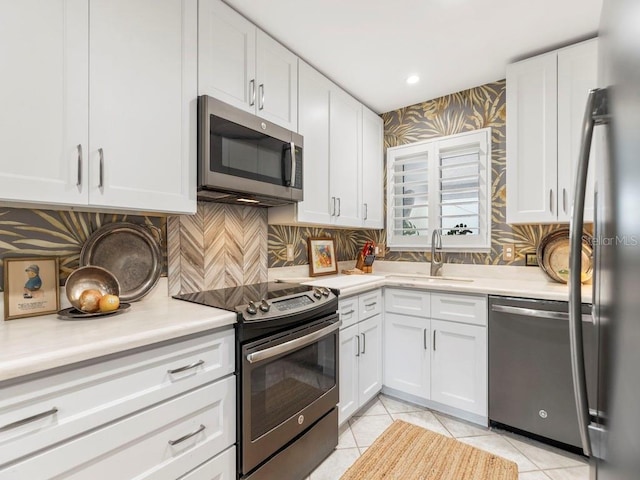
(532, 312)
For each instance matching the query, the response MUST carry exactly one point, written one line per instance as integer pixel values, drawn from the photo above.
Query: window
(440, 184)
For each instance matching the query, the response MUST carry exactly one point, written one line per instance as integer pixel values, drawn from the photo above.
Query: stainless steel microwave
(243, 159)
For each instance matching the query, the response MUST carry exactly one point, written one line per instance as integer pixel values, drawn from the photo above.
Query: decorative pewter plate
(130, 252)
(553, 256)
(75, 314)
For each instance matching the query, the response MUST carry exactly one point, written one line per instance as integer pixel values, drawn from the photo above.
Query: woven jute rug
(408, 452)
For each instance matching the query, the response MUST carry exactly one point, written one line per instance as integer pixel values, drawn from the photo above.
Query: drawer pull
(349, 312)
(368, 305)
(186, 367)
(424, 338)
(30, 419)
(187, 436)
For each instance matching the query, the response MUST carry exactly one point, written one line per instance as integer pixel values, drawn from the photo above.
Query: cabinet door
(226, 55)
(370, 359)
(372, 168)
(277, 82)
(345, 149)
(143, 95)
(44, 98)
(406, 354)
(532, 140)
(313, 124)
(221, 467)
(577, 74)
(459, 366)
(349, 352)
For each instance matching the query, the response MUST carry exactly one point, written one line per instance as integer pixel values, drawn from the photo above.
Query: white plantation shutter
(444, 184)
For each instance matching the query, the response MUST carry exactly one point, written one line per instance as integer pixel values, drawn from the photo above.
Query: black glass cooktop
(232, 297)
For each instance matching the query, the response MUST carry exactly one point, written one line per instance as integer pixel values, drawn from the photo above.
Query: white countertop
(34, 344)
(527, 282)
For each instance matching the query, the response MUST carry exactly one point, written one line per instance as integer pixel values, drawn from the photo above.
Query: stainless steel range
(287, 367)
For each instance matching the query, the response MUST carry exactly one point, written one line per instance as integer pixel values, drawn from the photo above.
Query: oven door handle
(291, 345)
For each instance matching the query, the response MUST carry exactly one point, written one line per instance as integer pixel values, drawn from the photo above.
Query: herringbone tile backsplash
(220, 246)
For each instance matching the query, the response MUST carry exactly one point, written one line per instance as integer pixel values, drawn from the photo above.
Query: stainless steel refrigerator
(610, 429)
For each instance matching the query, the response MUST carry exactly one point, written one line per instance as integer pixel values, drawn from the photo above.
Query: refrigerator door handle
(596, 114)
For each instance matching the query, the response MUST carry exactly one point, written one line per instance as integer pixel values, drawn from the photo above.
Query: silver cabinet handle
(339, 207)
(358, 349)
(366, 211)
(252, 92)
(424, 337)
(261, 90)
(434, 340)
(292, 345)
(101, 153)
(551, 200)
(364, 343)
(349, 312)
(596, 113)
(30, 419)
(79, 180)
(333, 206)
(532, 312)
(564, 200)
(372, 304)
(186, 367)
(187, 436)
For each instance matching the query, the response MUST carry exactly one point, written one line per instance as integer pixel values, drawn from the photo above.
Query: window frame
(476, 140)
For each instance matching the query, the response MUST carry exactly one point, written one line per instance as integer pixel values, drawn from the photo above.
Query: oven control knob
(251, 308)
(325, 291)
(264, 306)
(317, 293)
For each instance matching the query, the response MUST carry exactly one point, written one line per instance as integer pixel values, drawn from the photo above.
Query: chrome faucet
(436, 247)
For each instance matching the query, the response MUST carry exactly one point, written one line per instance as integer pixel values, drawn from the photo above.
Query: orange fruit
(109, 303)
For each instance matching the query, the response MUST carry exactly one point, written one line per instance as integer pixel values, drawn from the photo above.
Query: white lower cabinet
(407, 358)
(221, 467)
(360, 353)
(153, 414)
(459, 366)
(431, 356)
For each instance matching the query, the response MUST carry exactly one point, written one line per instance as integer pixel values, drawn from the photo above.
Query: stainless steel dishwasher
(530, 384)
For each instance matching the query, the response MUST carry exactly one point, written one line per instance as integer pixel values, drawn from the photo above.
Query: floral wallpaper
(27, 233)
(464, 111)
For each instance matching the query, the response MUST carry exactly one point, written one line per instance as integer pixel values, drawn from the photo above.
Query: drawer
(139, 446)
(348, 310)
(370, 304)
(409, 302)
(92, 395)
(459, 308)
(221, 467)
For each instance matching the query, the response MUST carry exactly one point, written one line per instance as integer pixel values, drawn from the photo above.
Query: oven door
(289, 381)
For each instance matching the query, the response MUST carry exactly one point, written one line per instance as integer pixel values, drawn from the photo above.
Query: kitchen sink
(426, 278)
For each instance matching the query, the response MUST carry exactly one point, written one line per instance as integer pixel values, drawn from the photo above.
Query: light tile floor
(535, 460)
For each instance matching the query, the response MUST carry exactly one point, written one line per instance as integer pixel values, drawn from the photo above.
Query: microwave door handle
(595, 114)
(287, 164)
(292, 180)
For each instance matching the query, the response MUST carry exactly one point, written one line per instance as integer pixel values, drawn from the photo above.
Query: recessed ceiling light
(411, 79)
(248, 200)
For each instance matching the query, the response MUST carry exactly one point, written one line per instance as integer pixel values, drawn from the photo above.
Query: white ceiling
(370, 47)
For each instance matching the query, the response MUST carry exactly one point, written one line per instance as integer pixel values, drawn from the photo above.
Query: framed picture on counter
(322, 256)
(31, 286)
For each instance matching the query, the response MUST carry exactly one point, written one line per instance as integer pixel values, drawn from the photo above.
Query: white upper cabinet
(343, 164)
(345, 150)
(44, 97)
(101, 120)
(577, 74)
(546, 97)
(143, 94)
(313, 120)
(372, 170)
(242, 66)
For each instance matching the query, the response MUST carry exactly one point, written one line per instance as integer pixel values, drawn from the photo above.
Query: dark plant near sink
(460, 229)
